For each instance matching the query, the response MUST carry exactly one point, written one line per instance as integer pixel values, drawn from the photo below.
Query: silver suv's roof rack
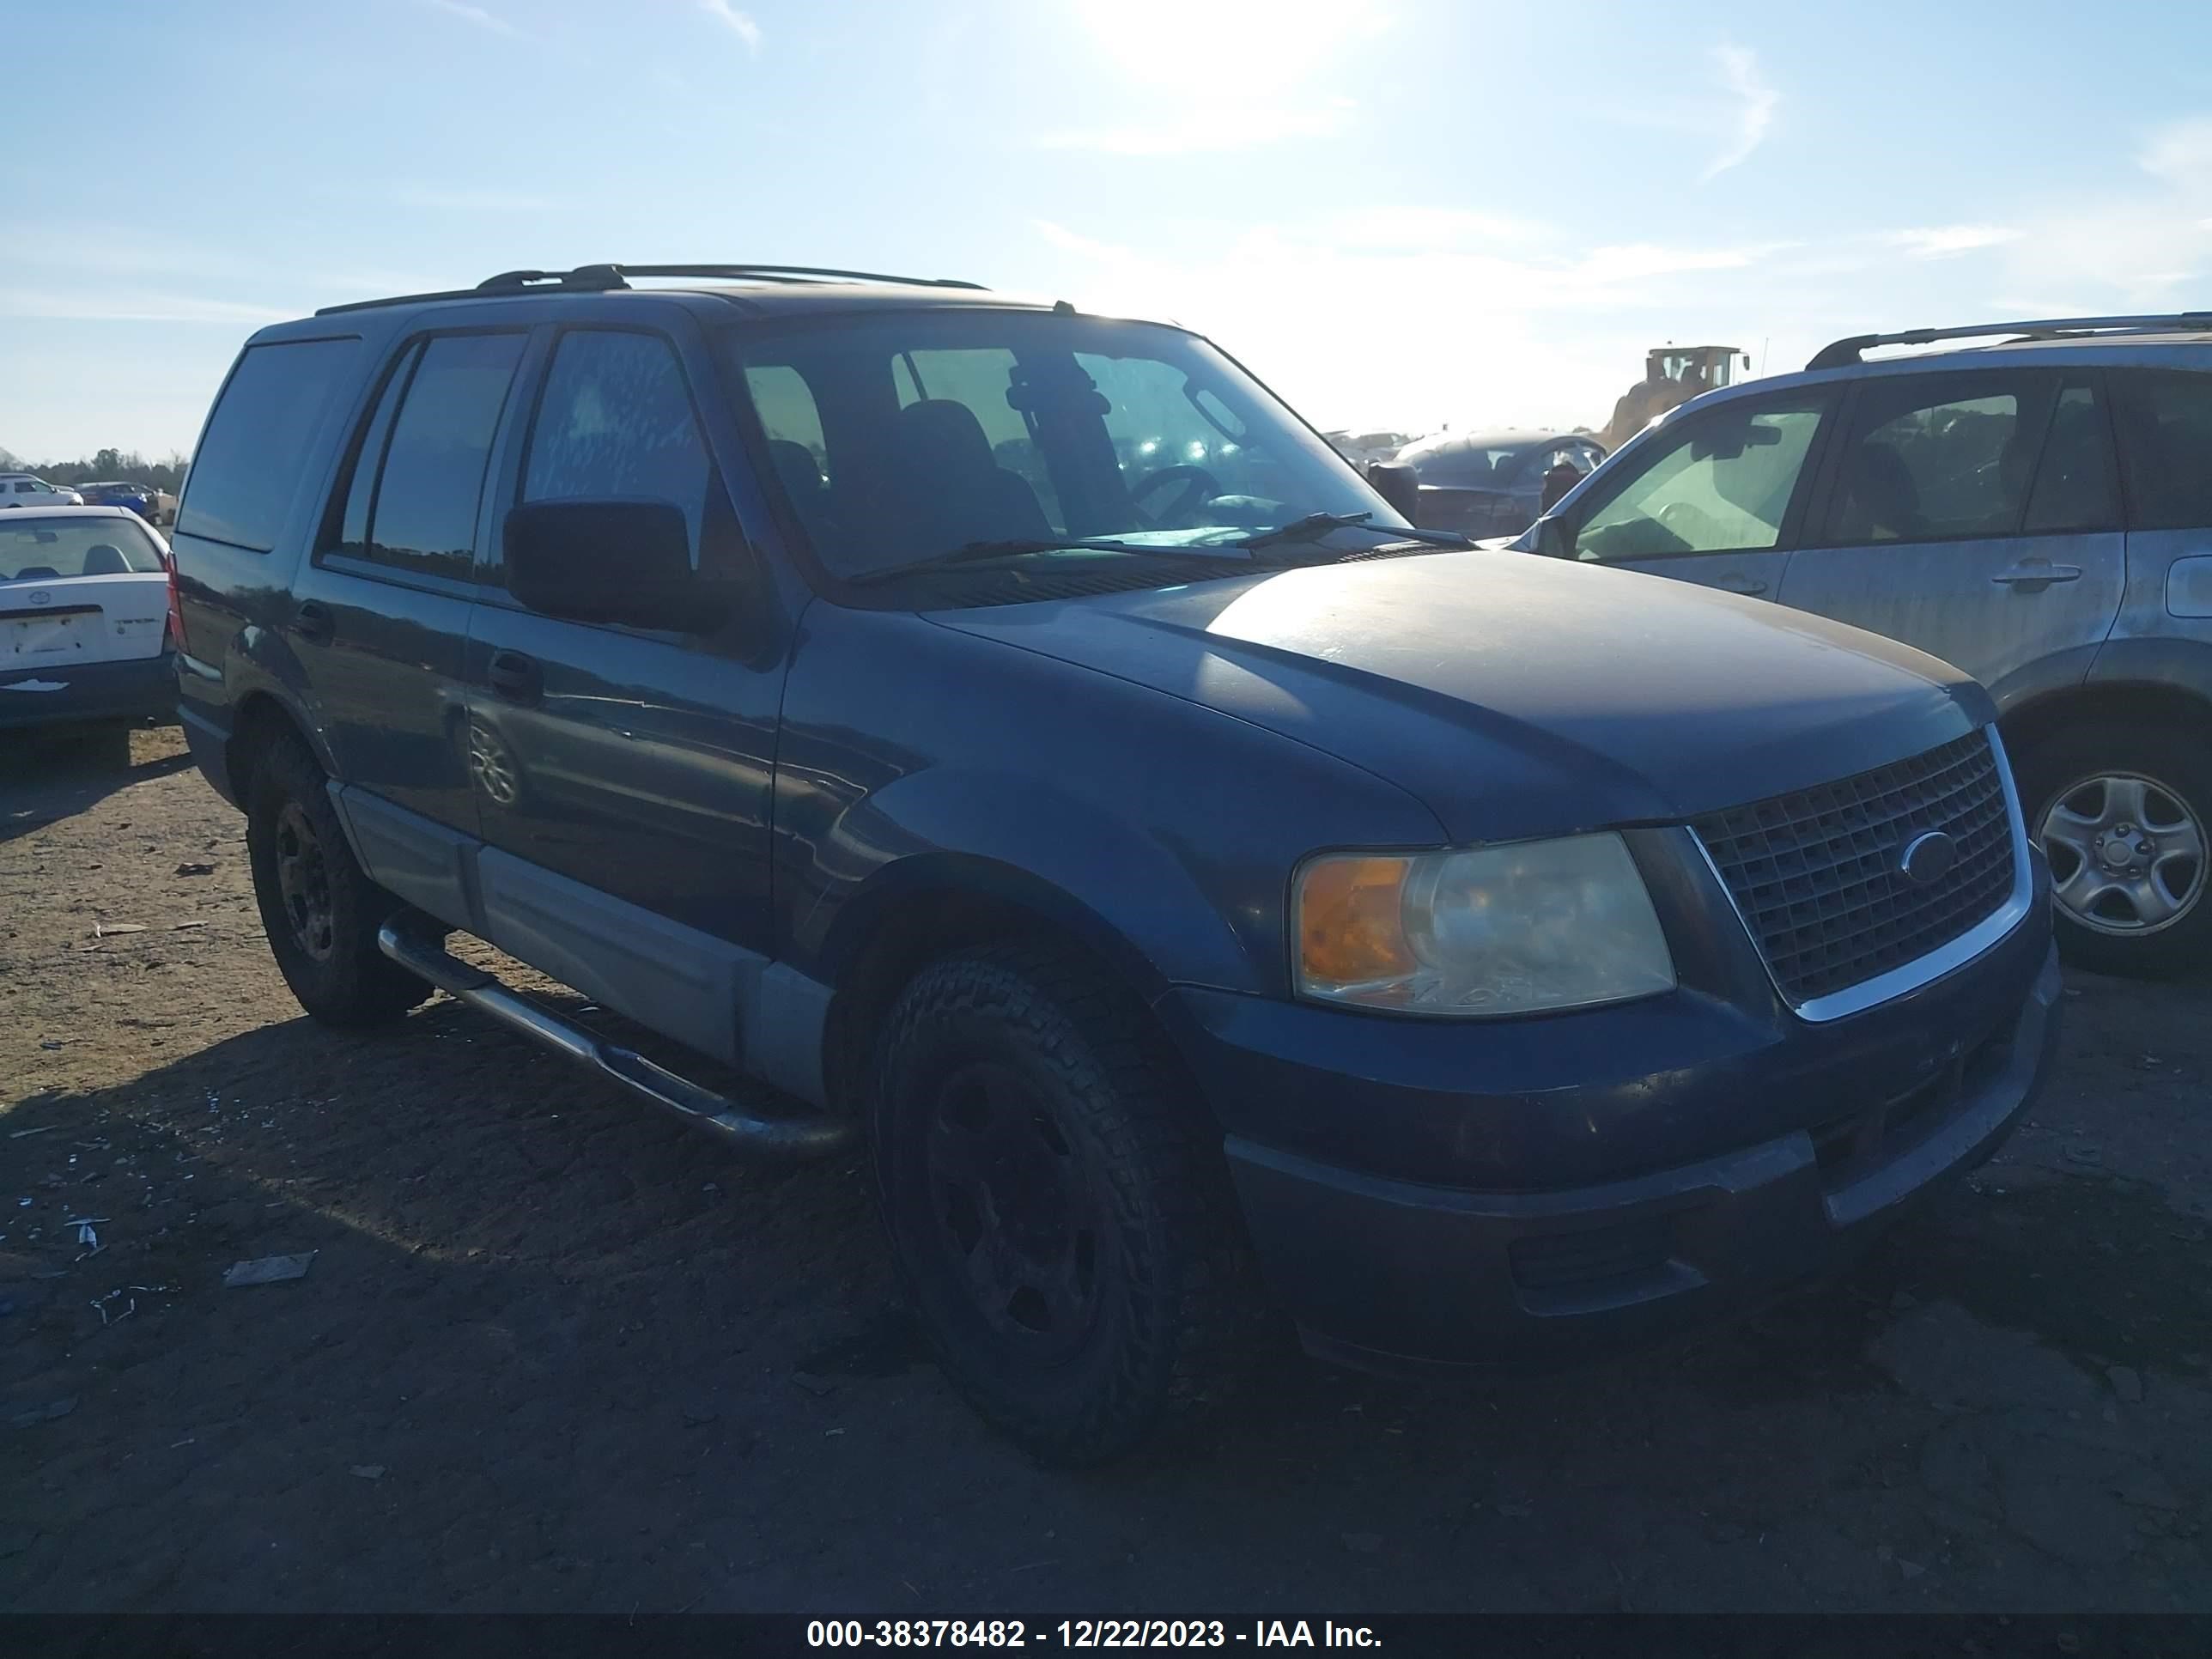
(1842, 353)
(599, 279)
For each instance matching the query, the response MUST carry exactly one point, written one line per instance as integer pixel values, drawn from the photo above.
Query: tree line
(126, 463)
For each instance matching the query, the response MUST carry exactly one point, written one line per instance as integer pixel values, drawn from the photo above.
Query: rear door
(1976, 516)
(623, 776)
(2165, 422)
(381, 612)
(1716, 499)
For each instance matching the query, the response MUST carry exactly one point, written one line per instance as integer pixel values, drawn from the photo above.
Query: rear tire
(2117, 810)
(1057, 1207)
(319, 909)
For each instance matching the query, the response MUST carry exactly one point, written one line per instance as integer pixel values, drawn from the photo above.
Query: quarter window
(1723, 486)
(256, 443)
(2165, 429)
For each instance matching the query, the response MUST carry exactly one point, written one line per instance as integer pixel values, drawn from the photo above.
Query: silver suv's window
(1924, 462)
(2166, 428)
(1722, 484)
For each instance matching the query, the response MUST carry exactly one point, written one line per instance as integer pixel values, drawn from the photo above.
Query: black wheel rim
(303, 882)
(1011, 1218)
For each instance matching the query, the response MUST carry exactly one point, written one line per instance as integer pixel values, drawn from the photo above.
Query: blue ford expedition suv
(1015, 739)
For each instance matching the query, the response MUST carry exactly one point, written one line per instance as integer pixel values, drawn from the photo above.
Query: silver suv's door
(1976, 515)
(1715, 499)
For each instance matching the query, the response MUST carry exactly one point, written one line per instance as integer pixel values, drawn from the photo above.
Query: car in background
(137, 497)
(2032, 502)
(1493, 484)
(84, 615)
(26, 490)
(1361, 448)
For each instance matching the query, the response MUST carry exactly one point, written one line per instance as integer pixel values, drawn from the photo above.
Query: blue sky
(1405, 213)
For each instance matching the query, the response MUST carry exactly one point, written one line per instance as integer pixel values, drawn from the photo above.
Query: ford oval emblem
(39, 596)
(1928, 858)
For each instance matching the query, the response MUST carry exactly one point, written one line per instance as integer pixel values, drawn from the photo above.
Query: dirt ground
(555, 1353)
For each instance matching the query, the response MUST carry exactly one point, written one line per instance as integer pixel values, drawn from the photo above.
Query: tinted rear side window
(1944, 459)
(250, 458)
(424, 511)
(2076, 486)
(2166, 432)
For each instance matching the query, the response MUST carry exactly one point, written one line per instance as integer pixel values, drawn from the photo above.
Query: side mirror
(1398, 485)
(627, 562)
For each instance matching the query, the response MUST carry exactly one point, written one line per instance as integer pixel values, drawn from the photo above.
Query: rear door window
(2164, 420)
(1942, 458)
(2077, 485)
(425, 453)
(248, 466)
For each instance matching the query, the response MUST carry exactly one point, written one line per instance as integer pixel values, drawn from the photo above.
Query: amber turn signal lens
(1350, 928)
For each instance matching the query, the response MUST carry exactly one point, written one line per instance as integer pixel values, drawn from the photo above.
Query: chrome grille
(1818, 875)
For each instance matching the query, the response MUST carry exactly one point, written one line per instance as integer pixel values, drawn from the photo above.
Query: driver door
(1718, 500)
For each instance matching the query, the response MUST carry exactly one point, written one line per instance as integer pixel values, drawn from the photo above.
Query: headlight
(1494, 930)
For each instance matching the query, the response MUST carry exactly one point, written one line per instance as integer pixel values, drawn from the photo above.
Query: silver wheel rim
(2126, 852)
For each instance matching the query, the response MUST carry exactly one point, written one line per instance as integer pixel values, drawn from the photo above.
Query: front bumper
(69, 694)
(1613, 1178)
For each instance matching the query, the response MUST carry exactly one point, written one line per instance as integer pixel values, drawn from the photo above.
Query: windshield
(47, 548)
(902, 437)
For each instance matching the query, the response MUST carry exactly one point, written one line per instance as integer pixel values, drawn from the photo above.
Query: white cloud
(1945, 241)
(77, 306)
(739, 23)
(476, 15)
(1755, 102)
(2148, 244)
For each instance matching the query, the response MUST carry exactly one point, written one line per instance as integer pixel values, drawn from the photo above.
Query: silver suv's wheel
(2122, 815)
(2127, 854)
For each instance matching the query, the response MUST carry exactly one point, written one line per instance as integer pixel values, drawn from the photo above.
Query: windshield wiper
(1320, 524)
(973, 552)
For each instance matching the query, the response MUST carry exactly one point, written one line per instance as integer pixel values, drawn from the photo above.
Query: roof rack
(1844, 352)
(600, 279)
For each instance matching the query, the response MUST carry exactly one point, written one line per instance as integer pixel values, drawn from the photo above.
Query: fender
(2060, 671)
(2180, 664)
(1026, 841)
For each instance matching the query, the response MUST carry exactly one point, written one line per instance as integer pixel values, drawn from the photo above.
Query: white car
(84, 621)
(23, 490)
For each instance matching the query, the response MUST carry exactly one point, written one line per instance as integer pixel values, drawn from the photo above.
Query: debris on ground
(45, 1413)
(269, 1270)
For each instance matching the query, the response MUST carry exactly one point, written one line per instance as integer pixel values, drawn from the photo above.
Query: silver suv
(2037, 510)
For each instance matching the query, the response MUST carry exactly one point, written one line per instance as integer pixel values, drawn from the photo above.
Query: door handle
(1734, 583)
(2034, 578)
(515, 677)
(313, 622)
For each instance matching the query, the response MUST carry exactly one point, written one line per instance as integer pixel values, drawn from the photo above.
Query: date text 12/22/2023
(1082, 1633)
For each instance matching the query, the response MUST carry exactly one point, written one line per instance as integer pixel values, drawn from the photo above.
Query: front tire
(2123, 816)
(319, 909)
(1057, 1208)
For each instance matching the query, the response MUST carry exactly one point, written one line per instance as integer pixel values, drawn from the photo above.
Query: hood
(1516, 695)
